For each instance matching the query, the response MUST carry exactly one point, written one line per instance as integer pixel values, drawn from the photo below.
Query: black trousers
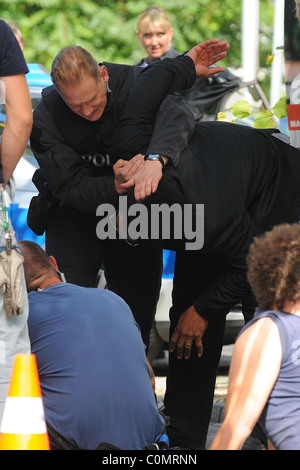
(58, 442)
(191, 382)
(134, 273)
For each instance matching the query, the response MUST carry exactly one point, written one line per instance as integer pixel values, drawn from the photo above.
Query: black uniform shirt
(74, 154)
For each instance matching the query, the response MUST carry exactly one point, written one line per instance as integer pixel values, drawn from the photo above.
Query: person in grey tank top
(264, 377)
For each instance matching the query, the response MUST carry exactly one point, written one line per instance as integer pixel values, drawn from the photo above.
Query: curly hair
(274, 267)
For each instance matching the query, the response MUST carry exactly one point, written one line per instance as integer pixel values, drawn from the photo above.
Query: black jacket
(248, 181)
(202, 98)
(76, 156)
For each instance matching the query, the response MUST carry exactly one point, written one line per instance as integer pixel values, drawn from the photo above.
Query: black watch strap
(155, 157)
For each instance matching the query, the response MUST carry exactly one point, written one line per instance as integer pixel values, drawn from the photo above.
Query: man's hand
(191, 327)
(125, 170)
(145, 180)
(206, 54)
(144, 176)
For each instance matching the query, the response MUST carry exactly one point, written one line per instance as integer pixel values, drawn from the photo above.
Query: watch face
(156, 157)
(153, 156)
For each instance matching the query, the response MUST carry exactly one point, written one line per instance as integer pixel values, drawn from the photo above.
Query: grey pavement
(254, 442)
(217, 416)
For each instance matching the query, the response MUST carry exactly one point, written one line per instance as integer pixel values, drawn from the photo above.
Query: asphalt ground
(160, 367)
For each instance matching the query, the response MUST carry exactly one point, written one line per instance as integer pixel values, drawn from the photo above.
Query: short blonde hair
(71, 65)
(154, 14)
(17, 32)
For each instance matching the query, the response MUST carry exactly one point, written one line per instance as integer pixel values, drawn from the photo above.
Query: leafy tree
(107, 27)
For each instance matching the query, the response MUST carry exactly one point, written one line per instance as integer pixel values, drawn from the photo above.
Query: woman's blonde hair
(154, 14)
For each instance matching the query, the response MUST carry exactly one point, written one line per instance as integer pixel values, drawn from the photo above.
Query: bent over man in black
(72, 132)
(248, 181)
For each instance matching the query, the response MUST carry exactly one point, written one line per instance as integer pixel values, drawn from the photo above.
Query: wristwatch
(155, 156)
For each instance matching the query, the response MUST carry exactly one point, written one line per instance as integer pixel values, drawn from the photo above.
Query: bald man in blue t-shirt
(91, 360)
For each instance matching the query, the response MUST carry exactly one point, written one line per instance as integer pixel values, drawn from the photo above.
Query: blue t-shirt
(281, 416)
(92, 368)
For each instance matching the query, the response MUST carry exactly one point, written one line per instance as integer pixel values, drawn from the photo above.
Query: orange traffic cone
(23, 425)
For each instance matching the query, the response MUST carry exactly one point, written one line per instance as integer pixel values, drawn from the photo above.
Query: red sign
(293, 111)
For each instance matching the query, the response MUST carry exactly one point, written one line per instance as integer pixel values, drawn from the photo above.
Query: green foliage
(107, 27)
(241, 109)
(263, 120)
(280, 109)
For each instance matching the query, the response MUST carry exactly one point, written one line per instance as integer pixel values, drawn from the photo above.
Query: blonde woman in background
(155, 33)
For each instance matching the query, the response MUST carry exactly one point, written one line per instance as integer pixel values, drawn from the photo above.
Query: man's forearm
(13, 143)
(16, 99)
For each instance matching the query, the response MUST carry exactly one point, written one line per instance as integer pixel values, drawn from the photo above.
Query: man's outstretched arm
(137, 126)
